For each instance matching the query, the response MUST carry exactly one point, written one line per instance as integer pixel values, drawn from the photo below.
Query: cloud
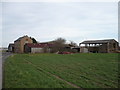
(60, 1)
(47, 21)
(0, 24)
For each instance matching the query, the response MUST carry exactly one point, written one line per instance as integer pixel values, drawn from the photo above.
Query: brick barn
(20, 42)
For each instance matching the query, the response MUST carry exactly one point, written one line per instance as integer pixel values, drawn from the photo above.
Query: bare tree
(72, 43)
(60, 40)
(58, 45)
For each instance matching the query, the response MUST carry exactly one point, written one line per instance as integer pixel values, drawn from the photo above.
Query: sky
(46, 21)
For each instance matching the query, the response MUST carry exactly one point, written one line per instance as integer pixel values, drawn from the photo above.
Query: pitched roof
(38, 45)
(20, 38)
(97, 41)
(11, 45)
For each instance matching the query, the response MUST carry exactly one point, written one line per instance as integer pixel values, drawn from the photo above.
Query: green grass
(87, 70)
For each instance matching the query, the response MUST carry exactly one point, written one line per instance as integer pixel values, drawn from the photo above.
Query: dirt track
(57, 77)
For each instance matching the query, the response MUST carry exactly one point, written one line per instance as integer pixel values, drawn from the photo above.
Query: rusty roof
(97, 41)
(38, 45)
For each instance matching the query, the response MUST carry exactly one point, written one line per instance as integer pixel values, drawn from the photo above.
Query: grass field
(61, 71)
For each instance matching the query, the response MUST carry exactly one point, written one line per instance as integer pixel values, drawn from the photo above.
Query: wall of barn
(17, 47)
(103, 48)
(93, 49)
(37, 50)
(113, 46)
(83, 50)
(40, 50)
(23, 42)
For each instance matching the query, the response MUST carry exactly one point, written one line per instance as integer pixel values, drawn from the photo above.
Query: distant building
(11, 47)
(37, 47)
(25, 45)
(72, 48)
(20, 42)
(99, 46)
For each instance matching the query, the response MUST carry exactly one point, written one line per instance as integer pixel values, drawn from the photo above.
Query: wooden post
(116, 47)
(108, 47)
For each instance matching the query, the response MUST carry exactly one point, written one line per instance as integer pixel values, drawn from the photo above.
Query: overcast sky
(75, 21)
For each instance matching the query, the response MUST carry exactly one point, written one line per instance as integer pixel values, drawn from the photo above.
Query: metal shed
(100, 46)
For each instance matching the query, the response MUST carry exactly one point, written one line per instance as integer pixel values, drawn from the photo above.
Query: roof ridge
(21, 38)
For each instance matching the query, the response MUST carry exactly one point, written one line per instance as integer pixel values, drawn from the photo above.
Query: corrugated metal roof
(97, 41)
(38, 45)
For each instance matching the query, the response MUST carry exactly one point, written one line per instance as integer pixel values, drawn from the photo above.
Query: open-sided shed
(99, 46)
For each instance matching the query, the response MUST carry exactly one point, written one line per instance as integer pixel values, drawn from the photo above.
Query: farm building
(27, 44)
(20, 42)
(99, 46)
(37, 47)
(11, 47)
(70, 47)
